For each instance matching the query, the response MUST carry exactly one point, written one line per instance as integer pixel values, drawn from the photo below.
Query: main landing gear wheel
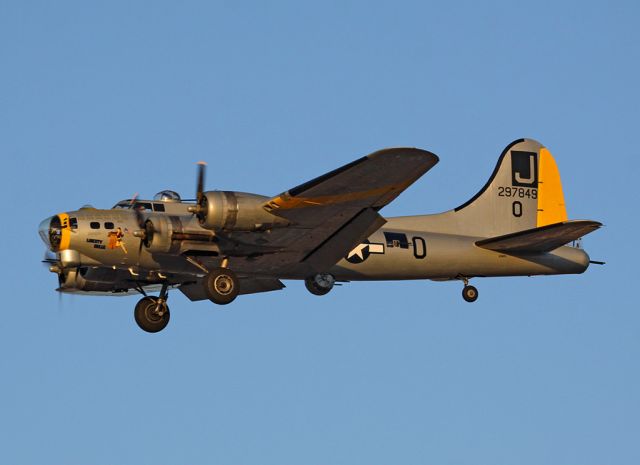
(470, 293)
(151, 315)
(221, 286)
(320, 284)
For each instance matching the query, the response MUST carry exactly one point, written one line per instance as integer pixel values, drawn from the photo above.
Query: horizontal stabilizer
(539, 240)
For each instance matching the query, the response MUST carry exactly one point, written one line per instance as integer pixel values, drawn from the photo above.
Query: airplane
(325, 231)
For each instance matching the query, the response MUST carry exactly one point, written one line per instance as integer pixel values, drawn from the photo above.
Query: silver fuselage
(416, 247)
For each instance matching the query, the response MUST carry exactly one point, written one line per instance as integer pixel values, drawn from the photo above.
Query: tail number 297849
(520, 192)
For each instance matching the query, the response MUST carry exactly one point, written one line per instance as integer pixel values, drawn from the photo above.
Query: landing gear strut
(152, 313)
(469, 293)
(221, 286)
(320, 284)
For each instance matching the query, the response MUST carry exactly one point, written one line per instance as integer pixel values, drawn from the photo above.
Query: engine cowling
(235, 211)
(158, 233)
(85, 279)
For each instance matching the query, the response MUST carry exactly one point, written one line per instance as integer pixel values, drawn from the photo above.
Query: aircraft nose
(43, 230)
(54, 232)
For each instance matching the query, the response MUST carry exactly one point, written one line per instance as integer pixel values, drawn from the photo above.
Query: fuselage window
(396, 240)
(159, 207)
(94, 225)
(73, 222)
(108, 225)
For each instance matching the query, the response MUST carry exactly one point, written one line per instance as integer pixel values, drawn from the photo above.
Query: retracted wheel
(470, 293)
(221, 286)
(152, 316)
(320, 284)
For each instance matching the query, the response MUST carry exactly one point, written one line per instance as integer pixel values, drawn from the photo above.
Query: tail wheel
(151, 316)
(221, 286)
(470, 293)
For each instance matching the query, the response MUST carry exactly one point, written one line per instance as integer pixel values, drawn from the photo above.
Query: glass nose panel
(43, 230)
(50, 231)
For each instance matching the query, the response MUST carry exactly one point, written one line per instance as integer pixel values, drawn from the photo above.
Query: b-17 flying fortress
(223, 244)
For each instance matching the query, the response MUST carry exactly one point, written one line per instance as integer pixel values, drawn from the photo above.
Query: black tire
(470, 293)
(221, 286)
(314, 288)
(147, 318)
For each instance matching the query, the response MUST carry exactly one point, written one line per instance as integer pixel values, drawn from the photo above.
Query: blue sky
(102, 100)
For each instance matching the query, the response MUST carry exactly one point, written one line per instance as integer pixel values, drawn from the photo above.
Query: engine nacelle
(86, 279)
(70, 258)
(159, 232)
(236, 211)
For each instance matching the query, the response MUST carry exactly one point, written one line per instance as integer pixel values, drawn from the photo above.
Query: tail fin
(524, 192)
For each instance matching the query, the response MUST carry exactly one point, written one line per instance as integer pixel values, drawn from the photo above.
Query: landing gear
(152, 313)
(320, 284)
(221, 286)
(469, 293)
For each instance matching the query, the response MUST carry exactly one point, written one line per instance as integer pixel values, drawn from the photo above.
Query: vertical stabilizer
(524, 192)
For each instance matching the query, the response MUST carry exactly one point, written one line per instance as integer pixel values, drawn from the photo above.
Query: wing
(372, 181)
(331, 214)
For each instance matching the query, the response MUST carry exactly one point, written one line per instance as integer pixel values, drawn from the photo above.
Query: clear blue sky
(99, 100)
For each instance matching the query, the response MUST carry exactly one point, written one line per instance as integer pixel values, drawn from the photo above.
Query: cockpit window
(159, 207)
(126, 204)
(143, 205)
(123, 204)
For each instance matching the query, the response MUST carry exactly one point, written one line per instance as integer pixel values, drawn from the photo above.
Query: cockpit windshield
(126, 204)
(122, 204)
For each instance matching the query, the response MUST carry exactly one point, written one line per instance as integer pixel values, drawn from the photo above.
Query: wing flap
(542, 239)
(332, 249)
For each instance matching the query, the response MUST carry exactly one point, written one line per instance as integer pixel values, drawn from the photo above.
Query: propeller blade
(49, 258)
(137, 211)
(200, 185)
(133, 200)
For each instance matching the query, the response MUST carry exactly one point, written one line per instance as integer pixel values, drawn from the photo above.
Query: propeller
(145, 227)
(200, 186)
(60, 298)
(50, 258)
(136, 211)
(200, 198)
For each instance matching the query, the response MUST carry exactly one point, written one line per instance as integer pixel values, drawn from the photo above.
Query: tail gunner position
(222, 244)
